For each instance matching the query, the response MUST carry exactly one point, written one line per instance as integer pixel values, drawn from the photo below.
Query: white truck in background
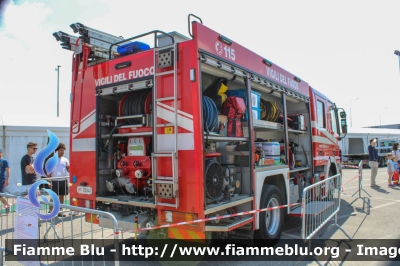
(354, 148)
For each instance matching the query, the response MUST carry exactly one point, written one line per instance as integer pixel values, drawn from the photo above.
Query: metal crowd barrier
(320, 204)
(360, 187)
(71, 226)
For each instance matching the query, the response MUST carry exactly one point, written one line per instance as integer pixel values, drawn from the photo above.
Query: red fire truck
(192, 128)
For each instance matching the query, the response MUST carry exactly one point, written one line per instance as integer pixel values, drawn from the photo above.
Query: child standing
(396, 152)
(390, 169)
(396, 173)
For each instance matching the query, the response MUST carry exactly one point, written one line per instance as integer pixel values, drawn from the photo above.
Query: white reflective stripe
(327, 134)
(86, 117)
(314, 124)
(323, 131)
(169, 116)
(318, 158)
(166, 142)
(172, 109)
(325, 157)
(318, 139)
(87, 144)
(85, 123)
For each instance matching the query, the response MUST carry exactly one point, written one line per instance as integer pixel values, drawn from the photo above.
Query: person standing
(4, 176)
(61, 171)
(396, 153)
(373, 162)
(27, 170)
(59, 182)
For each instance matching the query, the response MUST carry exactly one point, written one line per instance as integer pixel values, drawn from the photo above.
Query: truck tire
(271, 222)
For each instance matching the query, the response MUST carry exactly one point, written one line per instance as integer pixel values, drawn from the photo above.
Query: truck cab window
(321, 114)
(334, 121)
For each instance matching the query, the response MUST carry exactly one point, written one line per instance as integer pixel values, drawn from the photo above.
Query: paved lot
(382, 221)
(358, 220)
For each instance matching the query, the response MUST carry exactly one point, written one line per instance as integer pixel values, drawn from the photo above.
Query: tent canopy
(17, 131)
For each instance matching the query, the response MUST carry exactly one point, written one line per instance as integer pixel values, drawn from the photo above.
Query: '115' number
(229, 53)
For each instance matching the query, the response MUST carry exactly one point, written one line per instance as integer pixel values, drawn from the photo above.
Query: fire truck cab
(148, 145)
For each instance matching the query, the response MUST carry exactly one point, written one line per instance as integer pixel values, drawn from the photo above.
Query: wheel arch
(278, 181)
(274, 177)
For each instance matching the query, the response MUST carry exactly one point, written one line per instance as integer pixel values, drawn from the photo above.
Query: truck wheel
(271, 222)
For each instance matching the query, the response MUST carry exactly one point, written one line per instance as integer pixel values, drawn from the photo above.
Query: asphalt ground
(358, 220)
(381, 221)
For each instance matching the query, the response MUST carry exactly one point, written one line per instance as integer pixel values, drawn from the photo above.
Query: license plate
(84, 190)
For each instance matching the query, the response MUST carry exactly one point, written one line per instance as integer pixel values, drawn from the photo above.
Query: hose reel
(136, 103)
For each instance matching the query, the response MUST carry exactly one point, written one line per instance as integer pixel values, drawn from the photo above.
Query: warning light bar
(225, 40)
(267, 62)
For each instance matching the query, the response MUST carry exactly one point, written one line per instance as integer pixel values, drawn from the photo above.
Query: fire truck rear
(191, 128)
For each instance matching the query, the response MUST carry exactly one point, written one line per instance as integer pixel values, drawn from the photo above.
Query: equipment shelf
(224, 139)
(261, 125)
(224, 204)
(297, 131)
(148, 133)
(270, 167)
(299, 169)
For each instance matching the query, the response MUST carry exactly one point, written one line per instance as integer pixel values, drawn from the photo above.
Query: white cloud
(24, 22)
(28, 61)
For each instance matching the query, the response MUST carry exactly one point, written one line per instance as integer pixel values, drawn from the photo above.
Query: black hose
(210, 114)
(134, 105)
(110, 136)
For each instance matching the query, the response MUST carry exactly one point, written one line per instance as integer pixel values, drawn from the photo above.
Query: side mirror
(344, 129)
(343, 115)
(344, 126)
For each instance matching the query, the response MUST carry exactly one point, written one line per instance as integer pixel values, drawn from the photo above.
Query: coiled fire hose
(269, 111)
(210, 114)
(134, 104)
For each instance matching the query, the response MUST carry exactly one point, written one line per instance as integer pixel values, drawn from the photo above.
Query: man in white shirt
(61, 171)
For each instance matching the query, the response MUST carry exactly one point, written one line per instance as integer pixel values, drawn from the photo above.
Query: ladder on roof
(99, 41)
(68, 42)
(165, 187)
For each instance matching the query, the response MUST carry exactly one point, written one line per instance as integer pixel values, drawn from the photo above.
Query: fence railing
(320, 204)
(360, 187)
(71, 227)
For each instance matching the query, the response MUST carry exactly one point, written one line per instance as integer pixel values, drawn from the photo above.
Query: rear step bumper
(229, 227)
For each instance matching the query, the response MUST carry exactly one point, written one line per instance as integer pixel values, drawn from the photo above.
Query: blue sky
(342, 48)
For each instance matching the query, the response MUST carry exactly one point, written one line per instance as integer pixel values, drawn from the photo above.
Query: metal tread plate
(228, 227)
(227, 204)
(133, 202)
